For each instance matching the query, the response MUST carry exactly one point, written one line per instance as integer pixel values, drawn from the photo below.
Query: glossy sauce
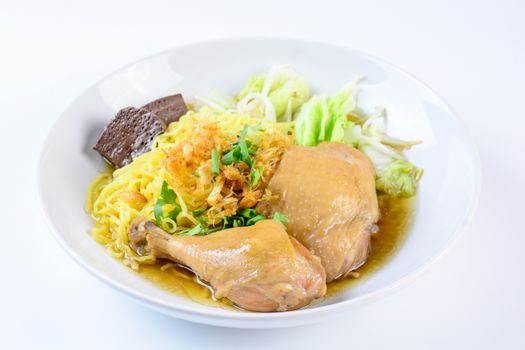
(396, 217)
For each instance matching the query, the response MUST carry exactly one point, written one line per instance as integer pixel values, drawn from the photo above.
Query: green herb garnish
(175, 212)
(243, 151)
(244, 217)
(233, 156)
(215, 166)
(192, 231)
(247, 213)
(197, 213)
(280, 218)
(240, 151)
(257, 127)
(238, 221)
(167, 196)
(255, 175)
(256, 218)
(199, 230)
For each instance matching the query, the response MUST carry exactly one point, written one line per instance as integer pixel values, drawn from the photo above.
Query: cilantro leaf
(192, 231)
(207, 230)
(280, 218)
(157, 211)
(255, 175)
(167, 196)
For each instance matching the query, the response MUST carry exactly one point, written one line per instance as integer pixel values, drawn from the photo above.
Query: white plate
(447, 192)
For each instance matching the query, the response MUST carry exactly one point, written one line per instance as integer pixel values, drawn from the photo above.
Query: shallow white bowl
(446, 198)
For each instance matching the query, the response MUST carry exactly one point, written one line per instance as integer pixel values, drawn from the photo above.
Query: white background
(471, 52)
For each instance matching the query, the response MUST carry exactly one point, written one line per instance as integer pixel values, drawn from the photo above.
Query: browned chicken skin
(259, 268)
(328, 193)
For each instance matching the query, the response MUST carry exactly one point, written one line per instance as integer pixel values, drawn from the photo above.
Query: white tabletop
(472, 53)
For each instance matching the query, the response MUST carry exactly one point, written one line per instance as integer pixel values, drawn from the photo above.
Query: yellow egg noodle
(115, 199)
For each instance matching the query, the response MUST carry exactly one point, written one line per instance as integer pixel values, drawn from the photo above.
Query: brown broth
(182, 282)
(396, 217)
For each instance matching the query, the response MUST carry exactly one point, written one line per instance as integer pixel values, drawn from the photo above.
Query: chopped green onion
(197, 213)
(242, 150)
(257, 127)
(228, 158)
(244, 132)
(215, 166)
(255, 219)
(175, 212)
(240, 221)
(248, 213)
(225, 222)
(245, 217)
(232, 156)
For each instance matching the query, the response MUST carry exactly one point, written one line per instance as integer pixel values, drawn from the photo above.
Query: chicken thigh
(259, 268)
(328, 194)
